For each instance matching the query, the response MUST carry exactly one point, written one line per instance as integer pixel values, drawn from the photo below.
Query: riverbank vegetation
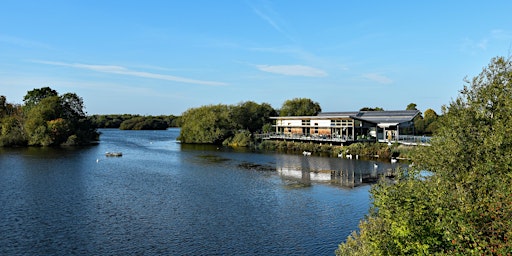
(228, 124)
(45, 119)
(464, 205)
(365, 150)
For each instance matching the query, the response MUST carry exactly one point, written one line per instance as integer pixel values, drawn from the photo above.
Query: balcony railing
(402, 139)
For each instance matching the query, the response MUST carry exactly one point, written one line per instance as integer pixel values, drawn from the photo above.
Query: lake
(162, 197)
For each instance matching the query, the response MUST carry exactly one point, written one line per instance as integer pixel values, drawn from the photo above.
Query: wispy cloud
(472, 46)
(128, 72)
(501, 34)
(22, 42)
(293, 70)
(270, 16)
(378, 78)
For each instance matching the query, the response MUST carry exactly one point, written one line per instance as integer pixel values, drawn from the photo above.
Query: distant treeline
(135, 122)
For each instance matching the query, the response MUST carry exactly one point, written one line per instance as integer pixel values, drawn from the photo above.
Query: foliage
(35, 96)
(46, 119)
(381, 150)
(267, 128)
(218, 123)
(252, 116)
(430, 121)
(240, 139)
(300, 107)
(411, 106)
(371, 109)
(12, 133)
(207, 124)
(465, 206)
(145, 122)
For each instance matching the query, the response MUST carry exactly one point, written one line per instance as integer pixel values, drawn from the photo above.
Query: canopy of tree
(216, 123)
(371, 109)
(45, 119)
(135, 122)
(300, 107)
(464, 207)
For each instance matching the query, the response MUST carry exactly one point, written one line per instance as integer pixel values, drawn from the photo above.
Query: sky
(164, 57)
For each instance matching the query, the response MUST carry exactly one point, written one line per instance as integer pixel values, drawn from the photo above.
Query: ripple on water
(160, 199)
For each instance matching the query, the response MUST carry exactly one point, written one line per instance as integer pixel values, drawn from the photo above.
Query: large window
(342, 123)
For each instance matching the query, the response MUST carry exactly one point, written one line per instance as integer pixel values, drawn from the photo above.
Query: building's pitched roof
(376, 117)
(338, 114)
(396, 116)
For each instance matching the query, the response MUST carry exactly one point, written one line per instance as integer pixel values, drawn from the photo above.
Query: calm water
(162, 197)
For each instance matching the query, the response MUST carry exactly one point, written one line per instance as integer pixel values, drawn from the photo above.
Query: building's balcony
(302, 137)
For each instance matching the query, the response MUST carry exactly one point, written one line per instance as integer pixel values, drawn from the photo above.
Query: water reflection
(165, 198)
(345, 172)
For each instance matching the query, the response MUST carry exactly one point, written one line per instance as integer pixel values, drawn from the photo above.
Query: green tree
(12, 132)
(252, 116)
(3, 106)
(37, 118)
(411, 106)
(51, 119)
(206, 124)
(430, 121)
(371, 109)
(476, 174)
(35, 96)
(72, 106)
(300, 107)
(465, 206)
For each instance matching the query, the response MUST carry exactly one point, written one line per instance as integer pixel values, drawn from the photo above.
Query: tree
(38, 116)
(476, 174)
(300, 107)
(72, 106)
(252, 116)
(371, 109)
(35, 96)
(3, 106)
(465, 206)
(430, 121)
(206, 124)
(54, 120)
(411, 106)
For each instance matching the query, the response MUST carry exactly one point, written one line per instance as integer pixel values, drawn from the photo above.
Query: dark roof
(338, 114)
(377, 117)
(398, 116)
(393, 116)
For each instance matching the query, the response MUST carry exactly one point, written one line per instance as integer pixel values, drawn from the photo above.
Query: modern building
(383, 126)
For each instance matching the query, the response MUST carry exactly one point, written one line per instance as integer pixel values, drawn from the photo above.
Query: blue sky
(164, 57)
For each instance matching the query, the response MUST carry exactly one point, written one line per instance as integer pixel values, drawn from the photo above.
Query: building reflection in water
(344, 172)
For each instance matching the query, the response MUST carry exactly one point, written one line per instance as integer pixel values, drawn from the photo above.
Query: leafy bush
(465, 206)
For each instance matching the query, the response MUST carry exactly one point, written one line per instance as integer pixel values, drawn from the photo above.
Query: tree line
(45, 119)
(135, 122)
(457, 199)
